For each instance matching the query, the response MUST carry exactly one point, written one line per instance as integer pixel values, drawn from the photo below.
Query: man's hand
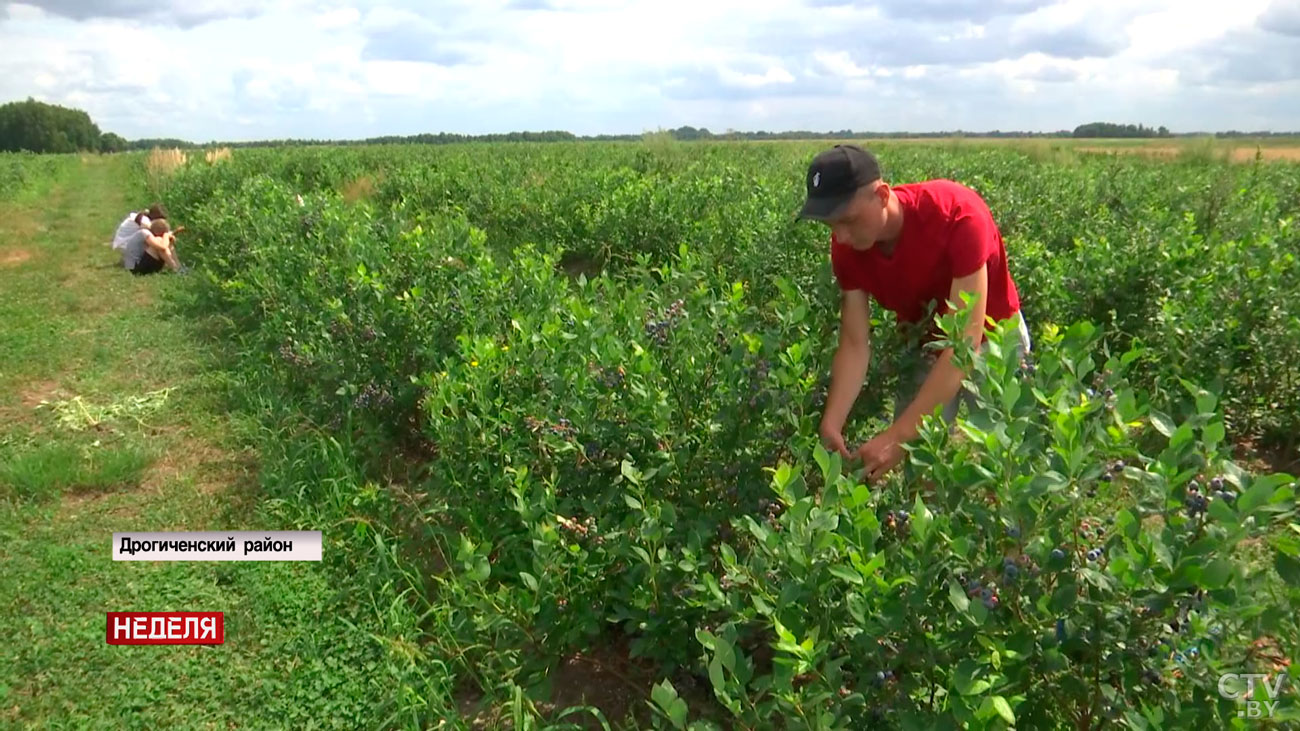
(833, 440)
(880, 455)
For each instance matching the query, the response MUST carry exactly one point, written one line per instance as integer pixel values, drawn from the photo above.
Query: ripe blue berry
(1058, 554)
(902, 515)
(1094, 554)
(1013, 531)
(1216, 483)
(1011, 571)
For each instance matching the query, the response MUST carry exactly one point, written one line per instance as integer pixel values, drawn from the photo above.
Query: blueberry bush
(575, 399)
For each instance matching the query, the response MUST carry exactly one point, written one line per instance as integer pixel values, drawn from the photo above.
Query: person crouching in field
(907, 247)
(151, 249)
(136, 238)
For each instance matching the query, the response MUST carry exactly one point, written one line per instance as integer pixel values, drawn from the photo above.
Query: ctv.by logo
(1230, 687)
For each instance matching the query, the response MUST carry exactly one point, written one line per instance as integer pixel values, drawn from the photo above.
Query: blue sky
(248, 69)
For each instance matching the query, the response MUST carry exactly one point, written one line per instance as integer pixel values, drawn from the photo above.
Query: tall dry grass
(162, 163)
(220, 154)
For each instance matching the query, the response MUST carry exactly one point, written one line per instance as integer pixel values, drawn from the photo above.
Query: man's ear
(882, 192)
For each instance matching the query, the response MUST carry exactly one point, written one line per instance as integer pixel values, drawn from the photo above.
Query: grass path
(148, 447)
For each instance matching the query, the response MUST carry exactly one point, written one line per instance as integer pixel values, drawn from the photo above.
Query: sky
(236, 70)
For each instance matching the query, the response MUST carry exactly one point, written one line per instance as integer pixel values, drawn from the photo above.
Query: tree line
(39, 127)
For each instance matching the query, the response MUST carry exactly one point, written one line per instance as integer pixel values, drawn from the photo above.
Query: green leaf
(1010, 396)
(1003, 708)
(958, 597)
(1221, 512)
(716, 677)
(847, 574)
(1182, 435)
(1213, 433)
(1216, 574)
(1288, 568)
(1064, 597)
(921, 518)
(480, 569)
(1258, 494)
(665, 696)
(782, 477)
(1262, 491)
(728, 555)
(630, 472)
(712, 585)
(1126, 524)
(529, 580)
(1287, 545)
(874, 565)
(1162, 423)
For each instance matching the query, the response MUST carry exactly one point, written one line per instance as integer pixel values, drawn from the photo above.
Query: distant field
(1237, 150)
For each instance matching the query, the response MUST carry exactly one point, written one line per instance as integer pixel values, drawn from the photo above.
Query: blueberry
(1094, 554)
(1105, 477)
(1180, 658)
(1110, 393)
(1118, 466)
(986, 593)
(1193, 486)
(1011, 571)
(889, 675)
(1013, 531)
(1058, 554)
(902, 515)
(880, 677)
(991, 603)
(1194, 652)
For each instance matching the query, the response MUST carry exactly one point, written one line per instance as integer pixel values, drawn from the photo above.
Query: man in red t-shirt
(907, 247)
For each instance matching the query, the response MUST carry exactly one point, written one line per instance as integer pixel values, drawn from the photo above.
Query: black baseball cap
(834, 177)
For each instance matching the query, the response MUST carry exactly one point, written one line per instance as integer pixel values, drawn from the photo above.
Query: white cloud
(337, 18)
(355, 68)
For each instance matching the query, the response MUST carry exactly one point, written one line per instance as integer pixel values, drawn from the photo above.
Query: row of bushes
(554, 464)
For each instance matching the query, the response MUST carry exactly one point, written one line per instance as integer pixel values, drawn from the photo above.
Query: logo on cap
(817, 178)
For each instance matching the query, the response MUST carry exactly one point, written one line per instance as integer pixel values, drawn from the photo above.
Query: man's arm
(161, 246)
(849, 367)
(944, 379)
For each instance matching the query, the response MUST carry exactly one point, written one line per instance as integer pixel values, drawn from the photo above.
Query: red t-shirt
(948, 232)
